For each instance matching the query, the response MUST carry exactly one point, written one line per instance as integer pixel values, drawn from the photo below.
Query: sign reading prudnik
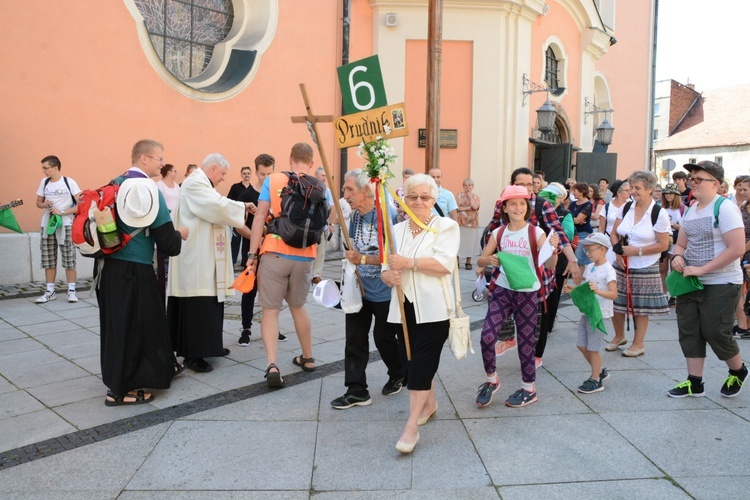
(387, 121)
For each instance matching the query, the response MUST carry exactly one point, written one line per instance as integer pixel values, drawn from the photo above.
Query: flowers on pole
(379, 155)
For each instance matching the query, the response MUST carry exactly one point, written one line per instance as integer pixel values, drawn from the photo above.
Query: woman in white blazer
(427, 248)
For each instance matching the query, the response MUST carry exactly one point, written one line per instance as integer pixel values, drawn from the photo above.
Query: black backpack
(304, 212)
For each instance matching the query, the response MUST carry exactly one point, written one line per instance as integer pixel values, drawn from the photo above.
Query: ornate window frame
(235, 59)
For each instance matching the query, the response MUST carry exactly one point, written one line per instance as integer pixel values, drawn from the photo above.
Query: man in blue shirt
(445, 205)
(363, 229)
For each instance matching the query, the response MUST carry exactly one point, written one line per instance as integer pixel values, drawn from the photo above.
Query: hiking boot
(504, 346)
(485, 393)
(393, 386)
(244, 337)
(48, 296)
(72, 297)
(604, 375)
(282, 337)
(520, 398)
(733, 384)
(349, 400)
(686, 389)
(591, 386)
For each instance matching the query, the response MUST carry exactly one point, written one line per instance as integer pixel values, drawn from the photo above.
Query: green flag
(585, 300)
(7, 219)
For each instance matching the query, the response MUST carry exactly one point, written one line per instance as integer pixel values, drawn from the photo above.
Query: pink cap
(514, 192)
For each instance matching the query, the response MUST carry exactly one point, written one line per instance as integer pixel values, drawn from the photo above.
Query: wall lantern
(605, 131)
(546, 114)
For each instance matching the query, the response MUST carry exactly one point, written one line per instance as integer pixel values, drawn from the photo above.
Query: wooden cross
(311, 120)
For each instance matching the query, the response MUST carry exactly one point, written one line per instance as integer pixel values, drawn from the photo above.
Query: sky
(703, 42)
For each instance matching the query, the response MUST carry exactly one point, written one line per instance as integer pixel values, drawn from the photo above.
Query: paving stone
(38, 367)
(231, 377)
(100, 470)
(39, 328)
(430, 494)
(17, 403)
(91, 412)
(73, 344)
(368, 444)
(69, 391)
(715, 486)
(624, 490)
(31, 428)
(195, 455)
(671, 443)
(296, 403)
(556, 449)
(19, 345)
(215, 495)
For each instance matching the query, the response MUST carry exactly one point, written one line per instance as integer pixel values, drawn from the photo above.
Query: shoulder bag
(459, 334)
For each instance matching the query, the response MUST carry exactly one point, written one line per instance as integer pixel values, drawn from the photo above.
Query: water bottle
(106, 228)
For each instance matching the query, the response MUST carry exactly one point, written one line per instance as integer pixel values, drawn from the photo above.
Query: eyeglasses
(157, 158)
(697, 180)
(413, 197)
(47, 168)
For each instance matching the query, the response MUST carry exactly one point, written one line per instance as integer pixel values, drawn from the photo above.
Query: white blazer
(422, 290)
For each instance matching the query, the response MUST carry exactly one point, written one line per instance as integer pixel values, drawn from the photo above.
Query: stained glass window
(184, 32)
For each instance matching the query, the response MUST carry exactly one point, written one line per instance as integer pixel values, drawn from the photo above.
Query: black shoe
(733, 384)
(282, 337)
(738, 332)
(686, 389)
(393, 386)
(244, 337)
(349, 400)
(198, 365)
(225, 352)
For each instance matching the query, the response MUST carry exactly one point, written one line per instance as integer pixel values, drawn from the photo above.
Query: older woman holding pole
(641, 238)
(427, 248)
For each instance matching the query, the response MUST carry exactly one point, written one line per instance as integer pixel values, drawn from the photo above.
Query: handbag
(351, 295)
(459, 334)
(245, 281)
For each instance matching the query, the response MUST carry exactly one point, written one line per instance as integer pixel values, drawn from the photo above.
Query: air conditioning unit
(391, 19)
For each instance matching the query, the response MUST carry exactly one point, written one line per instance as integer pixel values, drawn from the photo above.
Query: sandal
(139, 396)
(301, 362)
(273, 378)
(178, 369)
(468, 266)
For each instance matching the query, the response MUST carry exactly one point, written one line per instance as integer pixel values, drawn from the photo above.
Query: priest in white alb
(199, 278)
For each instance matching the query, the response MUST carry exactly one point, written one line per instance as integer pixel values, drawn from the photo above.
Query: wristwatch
(640, 251)
(362, 260)
(252, 256)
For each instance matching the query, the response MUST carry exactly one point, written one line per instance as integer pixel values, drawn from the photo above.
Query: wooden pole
(311, 119)
(434, 67)
(399, 291)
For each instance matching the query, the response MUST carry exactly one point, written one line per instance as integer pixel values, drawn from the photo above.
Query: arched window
(184, 32)
(551, 69)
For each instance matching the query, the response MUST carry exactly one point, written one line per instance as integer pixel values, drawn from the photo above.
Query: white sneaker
(46, 297)
(72, 296)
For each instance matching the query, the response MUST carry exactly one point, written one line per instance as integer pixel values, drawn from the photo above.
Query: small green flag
(585, 300)
(8, 219)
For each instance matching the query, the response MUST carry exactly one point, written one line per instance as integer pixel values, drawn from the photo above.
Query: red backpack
(84, 233)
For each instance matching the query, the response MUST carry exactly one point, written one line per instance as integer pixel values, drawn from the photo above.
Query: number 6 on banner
(362, 77)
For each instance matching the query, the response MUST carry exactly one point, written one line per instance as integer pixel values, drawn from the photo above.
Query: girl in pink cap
(519, 238)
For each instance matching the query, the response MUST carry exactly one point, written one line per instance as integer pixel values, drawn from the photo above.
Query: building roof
(721, 117)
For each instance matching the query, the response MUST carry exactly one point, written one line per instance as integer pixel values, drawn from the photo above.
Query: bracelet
(640, 251)
(676, 255)
(252, 256)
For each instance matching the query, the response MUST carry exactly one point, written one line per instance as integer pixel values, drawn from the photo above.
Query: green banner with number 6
(362, 85)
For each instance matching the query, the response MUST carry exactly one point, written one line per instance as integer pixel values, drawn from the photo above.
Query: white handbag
(351, 295)
(459, 334)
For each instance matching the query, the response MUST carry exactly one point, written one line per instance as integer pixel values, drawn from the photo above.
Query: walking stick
(628, 294)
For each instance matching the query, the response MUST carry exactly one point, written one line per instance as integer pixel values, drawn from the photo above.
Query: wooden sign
(448, 138)
(350, 130)
(361, 85)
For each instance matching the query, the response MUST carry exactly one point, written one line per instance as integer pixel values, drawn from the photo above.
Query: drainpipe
(651, 159)
(346, 21)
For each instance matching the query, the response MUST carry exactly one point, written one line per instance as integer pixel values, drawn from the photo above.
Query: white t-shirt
(602, 276)
(705, 242)
(171, 196)
(643, 234)
(59, 195)
(675, 217)
(517, 243)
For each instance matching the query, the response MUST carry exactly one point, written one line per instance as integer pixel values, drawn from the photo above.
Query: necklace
(419, 228)
(359, 229)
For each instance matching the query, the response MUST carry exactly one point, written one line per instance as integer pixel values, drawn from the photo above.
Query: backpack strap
(626, 207)
(535, 257)
(439, 210)
(500, 236)
(717, 204)
(655, 214)
(539, 212)
(606, 213)
(70, 192)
